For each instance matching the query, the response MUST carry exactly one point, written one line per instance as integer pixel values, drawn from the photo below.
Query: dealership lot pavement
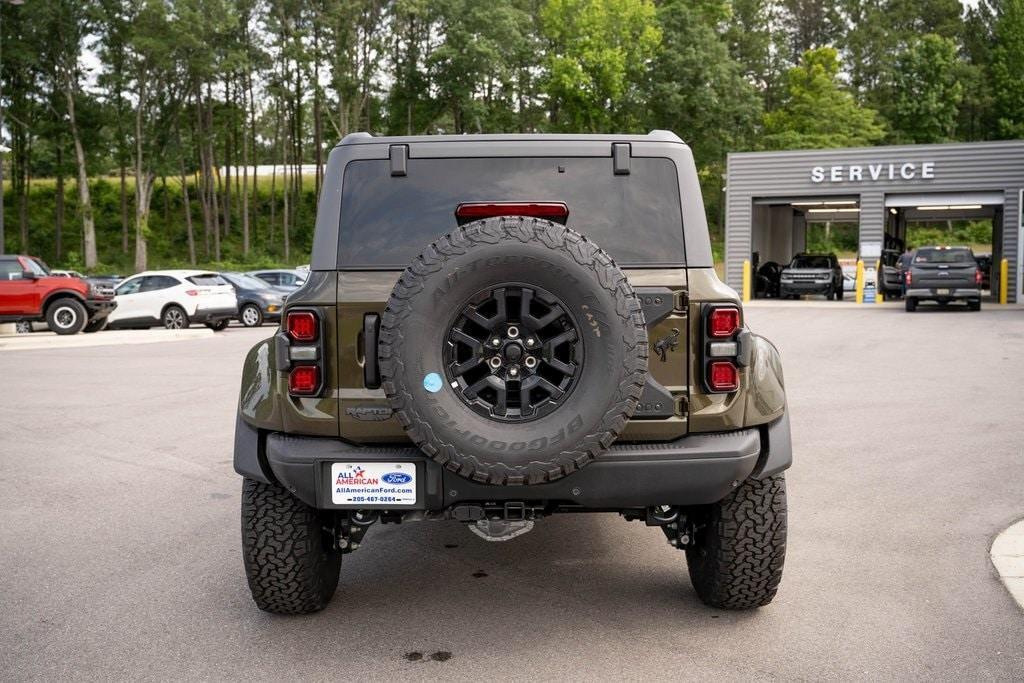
(120, 556)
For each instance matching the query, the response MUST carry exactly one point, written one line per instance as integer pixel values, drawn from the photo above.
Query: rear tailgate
(214, 291)
(943, 275)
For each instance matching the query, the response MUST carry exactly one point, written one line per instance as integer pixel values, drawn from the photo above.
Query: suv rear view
(496, 329)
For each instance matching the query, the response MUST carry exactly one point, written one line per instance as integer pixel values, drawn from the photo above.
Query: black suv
(812, 274)
(500, 328)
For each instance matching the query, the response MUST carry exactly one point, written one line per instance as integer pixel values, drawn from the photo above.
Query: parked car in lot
(285, 279)
(513, 373)
(812, 274)
(29, 294)
(174, 299)
(257, 300)
(943, 274)
(66, 273)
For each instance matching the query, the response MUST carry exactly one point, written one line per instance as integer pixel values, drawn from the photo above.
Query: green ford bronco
(498, 328)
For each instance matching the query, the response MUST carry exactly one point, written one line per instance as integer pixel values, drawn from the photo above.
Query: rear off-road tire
(740, 545)
(290, 561)
(508, 254)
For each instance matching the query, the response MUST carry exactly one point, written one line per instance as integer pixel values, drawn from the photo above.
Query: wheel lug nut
(494, 362)
(513, 372)
(495, 342)
(530, 362)
(530, 341)
(513, 332)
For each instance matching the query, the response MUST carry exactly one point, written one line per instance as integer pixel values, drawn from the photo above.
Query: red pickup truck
(28, 292)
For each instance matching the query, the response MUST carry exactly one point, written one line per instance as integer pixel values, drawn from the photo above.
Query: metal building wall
(958, 167)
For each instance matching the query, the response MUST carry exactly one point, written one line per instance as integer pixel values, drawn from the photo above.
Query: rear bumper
(694, 470)
(212, 315)
(953, 293)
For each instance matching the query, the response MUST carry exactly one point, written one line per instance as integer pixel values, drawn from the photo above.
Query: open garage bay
(119, 547)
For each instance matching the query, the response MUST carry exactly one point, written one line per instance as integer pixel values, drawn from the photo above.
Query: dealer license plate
(373, 483)
(942, 291)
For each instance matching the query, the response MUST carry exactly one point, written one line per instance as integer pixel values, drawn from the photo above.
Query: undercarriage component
(350, 528)
(497, 530)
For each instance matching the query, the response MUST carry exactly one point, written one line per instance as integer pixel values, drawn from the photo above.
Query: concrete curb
(49, 340)
(1008, 557)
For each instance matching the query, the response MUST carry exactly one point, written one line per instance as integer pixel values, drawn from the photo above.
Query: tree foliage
(816, 111)
(134, 124)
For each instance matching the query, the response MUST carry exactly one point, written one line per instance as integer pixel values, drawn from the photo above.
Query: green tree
(597, 52)
(817, 112)
(695, 88)
(926, 91)
(1008, 68)
(473, 68)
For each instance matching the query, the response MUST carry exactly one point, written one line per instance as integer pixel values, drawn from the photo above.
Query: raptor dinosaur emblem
(667, 343)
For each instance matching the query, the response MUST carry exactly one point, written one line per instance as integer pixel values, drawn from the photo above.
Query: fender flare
(60, 294)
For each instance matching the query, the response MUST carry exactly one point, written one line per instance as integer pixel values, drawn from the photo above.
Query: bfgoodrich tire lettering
(740, 546)
(531, 252)
(289, 561)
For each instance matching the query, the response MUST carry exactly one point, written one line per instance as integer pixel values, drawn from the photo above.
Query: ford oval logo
(396, 478)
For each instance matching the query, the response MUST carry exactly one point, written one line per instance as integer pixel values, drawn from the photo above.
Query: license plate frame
(374, 485)
(942, 291)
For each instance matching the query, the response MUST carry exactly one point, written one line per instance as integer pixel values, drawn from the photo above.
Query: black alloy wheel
(513, 353)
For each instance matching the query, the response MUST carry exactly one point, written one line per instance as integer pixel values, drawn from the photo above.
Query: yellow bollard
(746, 280)
(1004, 276)
(878, 285)
(860, 282)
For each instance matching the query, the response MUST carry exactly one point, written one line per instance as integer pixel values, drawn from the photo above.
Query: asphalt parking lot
(120, 558)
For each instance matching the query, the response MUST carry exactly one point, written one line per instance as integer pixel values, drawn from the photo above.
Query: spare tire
(513, 350)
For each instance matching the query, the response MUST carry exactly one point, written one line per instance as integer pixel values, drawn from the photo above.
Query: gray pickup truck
(943, 274)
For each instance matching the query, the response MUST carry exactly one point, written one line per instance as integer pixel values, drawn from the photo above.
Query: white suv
(175, 299)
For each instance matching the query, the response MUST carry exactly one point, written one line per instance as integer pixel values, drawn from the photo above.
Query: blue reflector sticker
(432, 382)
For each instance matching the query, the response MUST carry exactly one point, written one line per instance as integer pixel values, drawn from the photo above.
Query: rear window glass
(208, 280)
(386, 221)
(811, 262)
(944, 256)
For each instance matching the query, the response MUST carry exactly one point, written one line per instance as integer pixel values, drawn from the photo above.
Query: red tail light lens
(477, 210)
(977, 277)
(908, 278)
(304, 380)
(302, 326)
(723, 375)
(192, 292)
(723, 322)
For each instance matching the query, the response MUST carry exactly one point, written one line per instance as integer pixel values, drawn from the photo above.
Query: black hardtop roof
(363, 138)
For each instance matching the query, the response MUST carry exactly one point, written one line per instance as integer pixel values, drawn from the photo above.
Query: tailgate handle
(371, 371)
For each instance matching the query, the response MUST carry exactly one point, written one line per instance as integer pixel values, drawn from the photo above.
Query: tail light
(192, 292)
(723, 347)
(303, 343)
(304, 380)
(302, 326)
(723, 321)
(476, 210)
(723, 376)
(977, 277)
